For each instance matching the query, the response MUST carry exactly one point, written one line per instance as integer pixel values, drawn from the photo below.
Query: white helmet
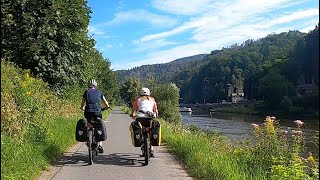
(93, 82)
(144, 92)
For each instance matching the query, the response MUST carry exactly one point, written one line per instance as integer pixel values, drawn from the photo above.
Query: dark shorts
(145, 122)
(98, 124)
(90, 115)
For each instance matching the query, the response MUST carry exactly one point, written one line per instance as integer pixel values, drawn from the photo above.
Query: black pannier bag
(136, 133)
(100, 130)
(155, 134)
(81, 130)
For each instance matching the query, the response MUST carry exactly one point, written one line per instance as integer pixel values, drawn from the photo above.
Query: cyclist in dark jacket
(91, 105)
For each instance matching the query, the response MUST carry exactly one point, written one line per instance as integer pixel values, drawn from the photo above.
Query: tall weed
(36, 125)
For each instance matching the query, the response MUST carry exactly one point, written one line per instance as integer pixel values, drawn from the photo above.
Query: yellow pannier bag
(136, 133)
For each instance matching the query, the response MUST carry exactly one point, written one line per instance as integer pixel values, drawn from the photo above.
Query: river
(238, 126)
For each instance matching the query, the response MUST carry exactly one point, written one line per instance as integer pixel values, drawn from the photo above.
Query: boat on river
(185, 109)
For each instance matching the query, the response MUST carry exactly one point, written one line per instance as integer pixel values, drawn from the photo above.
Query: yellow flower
(29, 93)
(311, 158)
(27, 75)
(23, 84)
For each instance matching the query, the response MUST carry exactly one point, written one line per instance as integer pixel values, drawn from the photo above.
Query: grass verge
(26, 158)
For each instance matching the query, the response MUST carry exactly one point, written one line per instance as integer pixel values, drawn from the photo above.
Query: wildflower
(299, 123)
(23, 84)
(46, 96)
(269, 119)
(273, 118)
(284, 131)
(255, 125)
(29, 93)
(297, 132)
(311, 158)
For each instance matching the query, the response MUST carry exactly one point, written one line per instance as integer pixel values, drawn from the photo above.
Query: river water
(238, 126)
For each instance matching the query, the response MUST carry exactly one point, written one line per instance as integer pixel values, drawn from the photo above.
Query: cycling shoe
(100, 149)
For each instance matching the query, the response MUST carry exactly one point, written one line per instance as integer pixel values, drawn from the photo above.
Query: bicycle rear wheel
(90, 147)
(146, 150)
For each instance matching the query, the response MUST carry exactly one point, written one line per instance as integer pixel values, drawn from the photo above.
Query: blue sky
(133, 33)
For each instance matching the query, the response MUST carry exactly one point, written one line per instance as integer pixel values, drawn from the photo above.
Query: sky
(132, 33)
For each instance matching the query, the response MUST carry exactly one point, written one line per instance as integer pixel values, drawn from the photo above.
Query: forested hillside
(240, 65)
(162, 72)
(282, 70)
(271, 69)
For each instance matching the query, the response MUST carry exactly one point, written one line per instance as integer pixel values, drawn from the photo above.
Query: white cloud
(182, 7)
(151, 45)
(95, 31)
(141, 15)
(292, 17)
(213, 25)
(241, 17)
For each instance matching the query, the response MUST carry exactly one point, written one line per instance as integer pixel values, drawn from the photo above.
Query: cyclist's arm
(155, 107)
(134, 108)
(105, 102)
(83, 104)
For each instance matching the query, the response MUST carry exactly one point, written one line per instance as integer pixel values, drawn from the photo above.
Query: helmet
(93, 82)
(144, 92)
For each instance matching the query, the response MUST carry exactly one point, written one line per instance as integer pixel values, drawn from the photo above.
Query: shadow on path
(80, 158)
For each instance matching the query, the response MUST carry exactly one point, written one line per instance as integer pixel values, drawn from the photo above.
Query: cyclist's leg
(87, 116)
(151, 151)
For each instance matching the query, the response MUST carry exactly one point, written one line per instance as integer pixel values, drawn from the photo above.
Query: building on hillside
(234, 94)
(304, 87)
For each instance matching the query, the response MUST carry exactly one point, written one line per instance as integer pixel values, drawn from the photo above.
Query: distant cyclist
(143, 105)
(91, 106)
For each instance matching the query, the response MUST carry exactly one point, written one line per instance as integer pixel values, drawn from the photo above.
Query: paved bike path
(120, 159)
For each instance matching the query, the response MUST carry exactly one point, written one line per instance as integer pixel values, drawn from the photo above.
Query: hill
(163, 72)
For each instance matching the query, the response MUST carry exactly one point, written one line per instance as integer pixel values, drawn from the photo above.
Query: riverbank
(212, 156)
(309, 116)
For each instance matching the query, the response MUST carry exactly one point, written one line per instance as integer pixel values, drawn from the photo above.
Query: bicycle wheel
(146, 149)
(90, 147)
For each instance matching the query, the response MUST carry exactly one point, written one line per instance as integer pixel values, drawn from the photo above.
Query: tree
(49, 37)
(273, 87)
(129, 90)
(167, 97)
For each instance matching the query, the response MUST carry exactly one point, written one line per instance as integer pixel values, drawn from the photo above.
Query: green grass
(206, 156)
(26, 158)
(270, 155)
(211, 156)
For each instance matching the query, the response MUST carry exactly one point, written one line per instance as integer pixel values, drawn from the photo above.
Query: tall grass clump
(36, 125)
(272, 153)
(281, 153)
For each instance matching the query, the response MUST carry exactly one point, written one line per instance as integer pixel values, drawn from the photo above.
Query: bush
(167, 97)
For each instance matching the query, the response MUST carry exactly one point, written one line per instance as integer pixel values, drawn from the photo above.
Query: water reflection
(237, 126)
